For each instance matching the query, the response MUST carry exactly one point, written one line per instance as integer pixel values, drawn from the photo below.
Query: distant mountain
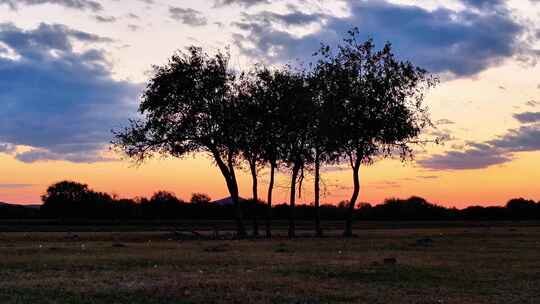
(226, 201)
(18, 211)
(32, 206)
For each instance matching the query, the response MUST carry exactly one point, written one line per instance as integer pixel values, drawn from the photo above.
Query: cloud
(493, 152)
(72, 4)
(7, 148)
(246, 3)
(482, 3)
(532, 103)
(462, 43)
(61, 102)
(524, 139)
(133, 27)
(474, 158)
(334, 168)
(187, 16)
(442, 135)
(384, 185)
(15, 186)
(528, 117)
(89, 156)
(105, 19)
(444, 121)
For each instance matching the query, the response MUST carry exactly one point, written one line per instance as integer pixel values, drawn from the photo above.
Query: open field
(465, 263)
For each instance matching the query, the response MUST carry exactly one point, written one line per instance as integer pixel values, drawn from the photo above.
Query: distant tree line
(352, 105)
(72, 200)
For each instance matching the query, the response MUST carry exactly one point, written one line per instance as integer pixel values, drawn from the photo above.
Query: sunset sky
(72, 70)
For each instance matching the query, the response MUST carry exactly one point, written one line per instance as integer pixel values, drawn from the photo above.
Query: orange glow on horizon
(385, 179)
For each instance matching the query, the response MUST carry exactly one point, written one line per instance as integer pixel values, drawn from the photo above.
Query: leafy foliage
(354, 105)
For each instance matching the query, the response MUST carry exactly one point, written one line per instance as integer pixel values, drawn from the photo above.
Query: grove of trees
(353, 104)
(77, 202)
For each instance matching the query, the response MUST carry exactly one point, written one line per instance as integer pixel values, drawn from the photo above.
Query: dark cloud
(90, 156)
(441, 40)
(187, 16)
(474, 158)
(493, 152)
(528, 117)
(105, 19)
(73, 4)
(482, 3)
(268, 18)
(524, 139)
(38, 43)
(61, 102)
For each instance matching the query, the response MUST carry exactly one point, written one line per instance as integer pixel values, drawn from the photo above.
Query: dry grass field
(480, 264)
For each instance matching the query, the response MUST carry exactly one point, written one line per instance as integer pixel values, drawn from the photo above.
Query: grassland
(452, 264)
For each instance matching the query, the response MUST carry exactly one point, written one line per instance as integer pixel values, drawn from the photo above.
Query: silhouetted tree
(188, 107)
(380, 99)
(262, 92)
(162, 204)
(295, 112)
(164, 197)
(251, 131)
(324, 126)
(72, 199)
(520, 208)
(413, 208)
(200, 198)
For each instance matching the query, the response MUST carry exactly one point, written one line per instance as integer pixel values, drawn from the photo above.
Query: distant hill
(31, 206)
(18, 211)
(226, 201)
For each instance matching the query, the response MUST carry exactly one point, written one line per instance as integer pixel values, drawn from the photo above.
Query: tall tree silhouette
(381, 101)
(296, 112)
(251, 132)
(265, 91)
(323, 128)
(189, 106)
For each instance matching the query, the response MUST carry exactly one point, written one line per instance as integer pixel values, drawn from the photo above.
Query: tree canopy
(353, 105)
(189, 106)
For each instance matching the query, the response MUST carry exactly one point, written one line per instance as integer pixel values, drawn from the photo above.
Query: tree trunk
(292, 201)
(354, 197)
(318, 230)
(269, 201)
(236, 200)
(232, 186)
(253, 169)
(240, 229)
